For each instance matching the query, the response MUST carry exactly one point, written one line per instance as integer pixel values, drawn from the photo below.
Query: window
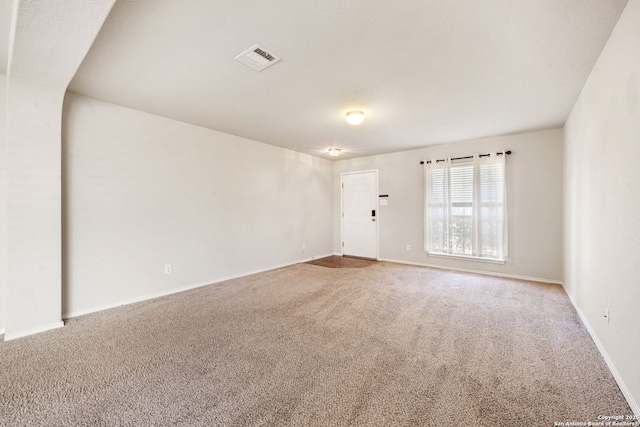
(465, 207)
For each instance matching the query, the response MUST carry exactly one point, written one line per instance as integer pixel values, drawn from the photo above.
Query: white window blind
(465, 207)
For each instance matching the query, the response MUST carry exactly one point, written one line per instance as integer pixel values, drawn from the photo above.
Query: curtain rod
(467, 157)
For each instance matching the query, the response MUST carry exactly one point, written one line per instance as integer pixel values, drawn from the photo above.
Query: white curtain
(490, 203)
(437, 205)
(466, 207)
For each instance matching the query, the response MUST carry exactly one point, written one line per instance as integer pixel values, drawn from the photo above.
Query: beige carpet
(305, 345)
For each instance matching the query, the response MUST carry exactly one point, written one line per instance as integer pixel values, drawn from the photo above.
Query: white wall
(33, 208)
(142, 191)
(48, 41)
(534, 172)
(602, 202)
(3, 203)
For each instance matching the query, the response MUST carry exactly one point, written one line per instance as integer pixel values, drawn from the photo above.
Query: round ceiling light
(334, 152)
(355, 117)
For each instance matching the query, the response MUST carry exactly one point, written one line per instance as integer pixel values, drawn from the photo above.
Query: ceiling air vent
(257, 57)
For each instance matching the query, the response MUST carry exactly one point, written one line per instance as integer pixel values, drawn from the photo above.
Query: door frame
(377, 193)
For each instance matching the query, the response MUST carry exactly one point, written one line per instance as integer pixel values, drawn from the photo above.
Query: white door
(360, 214)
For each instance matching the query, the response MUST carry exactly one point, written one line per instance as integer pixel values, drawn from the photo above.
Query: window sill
(466, 258)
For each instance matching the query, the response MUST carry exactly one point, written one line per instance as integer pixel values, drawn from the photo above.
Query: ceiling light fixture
(355, 117)
(334, 152)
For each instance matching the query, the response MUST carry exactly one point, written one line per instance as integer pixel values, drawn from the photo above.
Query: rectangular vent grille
(258, 58)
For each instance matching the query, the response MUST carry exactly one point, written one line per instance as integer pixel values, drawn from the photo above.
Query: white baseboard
(614, 371)
(484, 272)
(182, 288)
(32, 331)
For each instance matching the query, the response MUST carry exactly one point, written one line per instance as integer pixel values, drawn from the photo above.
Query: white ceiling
(424, 72)
(51, 38)
(6, 7)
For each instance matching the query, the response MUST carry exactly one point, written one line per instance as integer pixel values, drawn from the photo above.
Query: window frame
(445, 190)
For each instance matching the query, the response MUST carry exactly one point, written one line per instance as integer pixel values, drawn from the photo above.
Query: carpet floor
(305, 345)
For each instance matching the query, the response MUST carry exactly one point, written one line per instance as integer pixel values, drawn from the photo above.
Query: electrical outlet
(167, 269)
(606, 315)
(304, 246)
(408, 247)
